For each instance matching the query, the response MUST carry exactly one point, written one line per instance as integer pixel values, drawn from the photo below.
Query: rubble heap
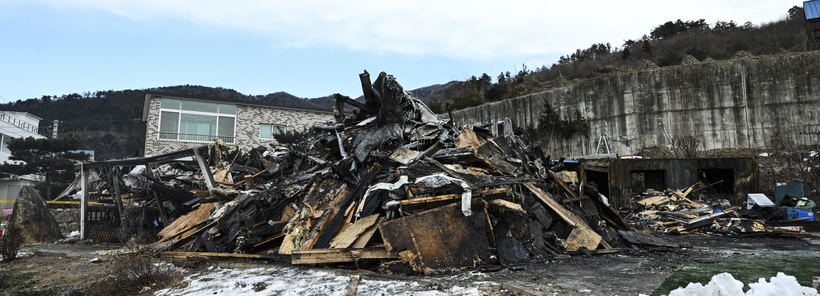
(672, 211)
(390, 183)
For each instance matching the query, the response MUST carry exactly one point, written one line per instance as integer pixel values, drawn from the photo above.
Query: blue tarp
(812, 9)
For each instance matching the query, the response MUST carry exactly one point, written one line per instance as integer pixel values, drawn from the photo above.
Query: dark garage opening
(710, 176)
(601, 179)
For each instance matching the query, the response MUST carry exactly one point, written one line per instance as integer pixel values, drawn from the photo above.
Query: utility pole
(54, 129)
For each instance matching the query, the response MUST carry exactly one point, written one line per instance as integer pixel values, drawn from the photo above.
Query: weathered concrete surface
(728, 104)
(32, 218)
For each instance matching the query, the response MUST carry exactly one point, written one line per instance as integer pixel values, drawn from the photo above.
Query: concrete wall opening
(726, 177)
(601, 179)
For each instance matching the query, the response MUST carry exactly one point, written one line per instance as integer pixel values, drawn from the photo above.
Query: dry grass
(130, 274)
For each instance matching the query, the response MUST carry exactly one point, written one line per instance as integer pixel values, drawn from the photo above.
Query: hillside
(669, 44)
(110, 122)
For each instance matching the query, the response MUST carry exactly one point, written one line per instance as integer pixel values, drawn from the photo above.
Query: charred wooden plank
(484, 193)
(245, 169)
(323, 241)
(317, 228)
(370, 96)
(506, 205)
(355, 103)
(331, 256)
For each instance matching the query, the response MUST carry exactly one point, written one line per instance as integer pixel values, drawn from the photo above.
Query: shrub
(671, 58)
(128, 274)
(10, 244)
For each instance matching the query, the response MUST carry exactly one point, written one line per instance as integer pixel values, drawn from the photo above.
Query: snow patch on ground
(725, 285)
(20, 254)
(296, 281)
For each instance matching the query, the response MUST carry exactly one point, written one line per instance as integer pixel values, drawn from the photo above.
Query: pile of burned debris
(392, 186)
(672, 211)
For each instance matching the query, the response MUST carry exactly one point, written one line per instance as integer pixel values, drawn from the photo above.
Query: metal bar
(193, 137)
(84, 202)
(206, 171)
(116, 181)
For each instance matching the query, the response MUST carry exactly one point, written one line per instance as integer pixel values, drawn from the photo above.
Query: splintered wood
(352, 233)
(582, 235)
(187, 223)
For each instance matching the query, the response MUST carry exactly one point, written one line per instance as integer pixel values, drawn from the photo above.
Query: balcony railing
(180, 137)
(17, 122)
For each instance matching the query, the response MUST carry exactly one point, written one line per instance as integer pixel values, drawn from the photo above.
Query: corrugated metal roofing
(812, 9)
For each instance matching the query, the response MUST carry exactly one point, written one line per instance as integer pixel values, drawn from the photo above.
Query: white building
(15, 125)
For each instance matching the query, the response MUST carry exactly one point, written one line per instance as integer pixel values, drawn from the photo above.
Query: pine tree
(626, 54)
(646, 47)
(50, 159)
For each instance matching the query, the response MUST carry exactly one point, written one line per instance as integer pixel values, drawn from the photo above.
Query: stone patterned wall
(248, 119)
(69, 219)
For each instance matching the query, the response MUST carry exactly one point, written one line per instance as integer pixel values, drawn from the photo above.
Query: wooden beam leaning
(582, 235)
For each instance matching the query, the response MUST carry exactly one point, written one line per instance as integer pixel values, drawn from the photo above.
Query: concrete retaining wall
(728, 104)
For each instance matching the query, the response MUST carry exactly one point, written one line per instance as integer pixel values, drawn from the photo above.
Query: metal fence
(193, 137)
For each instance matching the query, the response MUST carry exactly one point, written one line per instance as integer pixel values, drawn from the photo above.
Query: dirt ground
(54, 269)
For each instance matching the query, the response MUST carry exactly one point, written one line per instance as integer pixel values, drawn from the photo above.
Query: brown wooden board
(287, 245)
(468, 138)
(441, 237)
(331, 256)
(506, 205)
(348, 236)
(187, 222)
(363, 239)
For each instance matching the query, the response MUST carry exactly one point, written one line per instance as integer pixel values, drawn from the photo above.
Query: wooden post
(83, 202)
(162, 215)
(248, 182)
(116, 180)
(206, 171)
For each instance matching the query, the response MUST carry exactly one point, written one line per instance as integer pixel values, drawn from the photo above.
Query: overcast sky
(314, 48)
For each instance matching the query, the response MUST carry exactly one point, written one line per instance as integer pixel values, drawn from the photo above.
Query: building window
(196, 121)
(269, 131)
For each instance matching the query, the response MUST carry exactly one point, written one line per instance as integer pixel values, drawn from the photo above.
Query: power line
(104, 120)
